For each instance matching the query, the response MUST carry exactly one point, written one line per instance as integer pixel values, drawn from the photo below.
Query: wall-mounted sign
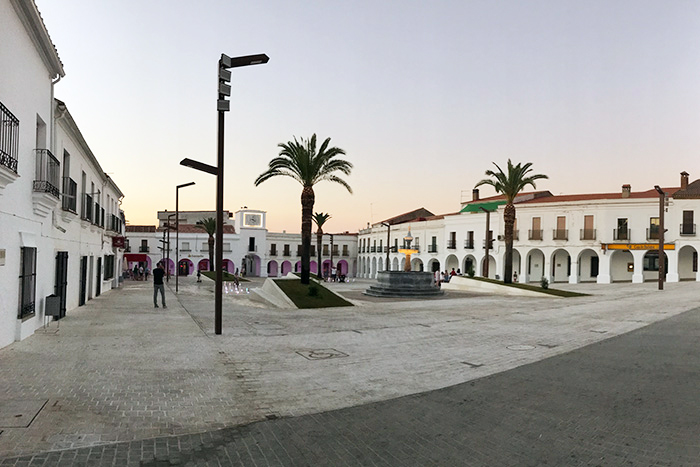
(118, 242)
(637, 246)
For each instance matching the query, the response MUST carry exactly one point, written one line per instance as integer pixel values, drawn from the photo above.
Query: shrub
(313, 291)
(470, 270)
(544, 283)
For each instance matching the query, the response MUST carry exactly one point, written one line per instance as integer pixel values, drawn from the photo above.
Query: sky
(423, 97)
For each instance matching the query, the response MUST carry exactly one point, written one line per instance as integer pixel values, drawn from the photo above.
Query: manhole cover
(520, 347)
(321, 354)
(19, 413)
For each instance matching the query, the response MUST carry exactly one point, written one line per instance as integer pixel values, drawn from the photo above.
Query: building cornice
(36, 29)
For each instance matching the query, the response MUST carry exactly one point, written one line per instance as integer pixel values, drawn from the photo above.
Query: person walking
(158, 285)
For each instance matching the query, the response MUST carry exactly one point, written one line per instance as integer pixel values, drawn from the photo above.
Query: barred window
(9, 138)
(109, 267)
(27, 282)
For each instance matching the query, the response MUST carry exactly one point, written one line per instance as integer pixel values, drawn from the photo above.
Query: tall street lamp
(662, 258)
(177, 231)
(222, 105)
(388, 239)
(168, 227)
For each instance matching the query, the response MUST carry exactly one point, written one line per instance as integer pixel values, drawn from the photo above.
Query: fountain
(404, 283)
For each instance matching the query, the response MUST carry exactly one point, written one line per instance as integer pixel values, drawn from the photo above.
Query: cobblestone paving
(124, 383)
(630, 400)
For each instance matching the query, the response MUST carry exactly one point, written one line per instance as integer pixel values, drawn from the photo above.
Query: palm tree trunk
(319, 243)
(307, 207)
(508, 223)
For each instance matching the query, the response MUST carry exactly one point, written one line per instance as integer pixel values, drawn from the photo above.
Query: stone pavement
(121, 383)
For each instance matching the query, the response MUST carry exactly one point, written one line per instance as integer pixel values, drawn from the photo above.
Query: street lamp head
(659, 190)
(210, 169)
(233, 62)
(185, 184)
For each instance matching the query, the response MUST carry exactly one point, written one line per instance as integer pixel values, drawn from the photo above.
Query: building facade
(596, 237)
(59, 212)
(248, 246)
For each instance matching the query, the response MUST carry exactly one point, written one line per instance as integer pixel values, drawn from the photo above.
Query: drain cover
(19, 413)
(321, 354)
(520, 347)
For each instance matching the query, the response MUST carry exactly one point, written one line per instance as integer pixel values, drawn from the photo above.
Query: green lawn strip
(227, 277)
(300, 294)
(534, 288)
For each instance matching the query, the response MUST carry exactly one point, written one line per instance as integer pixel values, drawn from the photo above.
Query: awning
(489, 206)
(136, 257)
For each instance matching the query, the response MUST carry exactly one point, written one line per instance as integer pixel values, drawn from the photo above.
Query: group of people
(139, 273)
(445, 276)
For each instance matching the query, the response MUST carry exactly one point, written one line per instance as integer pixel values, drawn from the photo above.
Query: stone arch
(185, 267)
(229, 266)
(588, 265)
(373, 273)
(469, 261)
(395, 264)
(416, 264)
(433, 265)
(687, 263)
(203, 265)
(561, 265)
(651, 265)
(342, 267)
(534, 265)
(452, 262)
(286, 268)
(492, 267)
(272, 268)
(621, 266)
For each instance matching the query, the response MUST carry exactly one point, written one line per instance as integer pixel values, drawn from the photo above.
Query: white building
(596, 237)
(248, 246)
(59, 212)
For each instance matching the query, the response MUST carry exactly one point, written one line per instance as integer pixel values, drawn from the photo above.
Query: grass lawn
(227, 277)
(550, 291)
(304, 296)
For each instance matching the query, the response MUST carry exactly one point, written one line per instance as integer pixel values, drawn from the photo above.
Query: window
(346, 252)
(227, 247)
(335, 249)
(9, 138)
(536, 232)
(688, 227)
(185, 246)
(653, 231)
(144, 246)
(651, 260)
(432, 248)
(273, 249)
(27, 282)
(286, 251)
(325, 249)
(251, 244)
(622, 232)
(561, 233)
(109, 267)
(588, 232)
(695, 261)
(452, 242)
(469, 242)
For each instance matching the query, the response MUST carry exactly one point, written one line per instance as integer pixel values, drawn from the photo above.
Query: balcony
(70, 195)
(252, 248)
(534, 234)
(9, 140)
(516, 234)
(653, 233)
(452, 244)
(469, 244)
(273, 251)
(432, 248)
(47, 169)
(622, 234)
(115, 224)
(286, 253)
(143, 249)
(373, 249)
(587, 234)
(687, 230)
(560, 234)
(87, 208)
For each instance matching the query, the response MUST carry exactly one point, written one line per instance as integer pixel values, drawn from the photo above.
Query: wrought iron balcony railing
(143, 249)
(70, 195)
(47, 178)
(9, 138)
(534, 234)
(560, 234)
(587, 234)
(432, 248)
(622, 234)
(653, 234)
(86, 213)
(469, 244)
(687, 229)
(452, 244)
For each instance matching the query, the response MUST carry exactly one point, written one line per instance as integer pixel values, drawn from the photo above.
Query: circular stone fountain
(404, 283)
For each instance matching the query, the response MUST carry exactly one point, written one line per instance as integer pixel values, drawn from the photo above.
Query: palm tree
(209, 226)
(301, 161)
(509, 184)
(320, 218)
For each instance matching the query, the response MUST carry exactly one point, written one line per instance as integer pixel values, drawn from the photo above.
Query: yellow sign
(637, 246)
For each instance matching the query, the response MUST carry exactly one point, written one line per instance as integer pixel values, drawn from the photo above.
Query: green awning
(489, 206)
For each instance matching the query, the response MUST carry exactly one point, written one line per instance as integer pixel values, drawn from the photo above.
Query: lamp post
(662, 258)
(222, 105)
(168, 228)
(388, 239)
(177, 231)
(487, 242)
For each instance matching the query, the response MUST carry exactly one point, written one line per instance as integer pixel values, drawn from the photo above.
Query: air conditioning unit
(501, 238)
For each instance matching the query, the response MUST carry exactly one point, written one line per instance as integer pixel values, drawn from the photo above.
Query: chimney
(475, 194)
(684, 180)
(626, 190)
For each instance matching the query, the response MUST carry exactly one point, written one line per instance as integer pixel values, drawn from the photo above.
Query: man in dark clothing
(158, 274)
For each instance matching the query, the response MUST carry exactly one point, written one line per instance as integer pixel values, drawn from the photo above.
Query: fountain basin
(404, 284)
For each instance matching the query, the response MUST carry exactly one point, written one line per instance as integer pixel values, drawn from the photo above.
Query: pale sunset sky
(422, 95)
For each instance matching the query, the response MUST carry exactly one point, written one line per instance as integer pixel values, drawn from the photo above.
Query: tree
(320, 218)
(209, 226)
(300, 160)
(509, 184)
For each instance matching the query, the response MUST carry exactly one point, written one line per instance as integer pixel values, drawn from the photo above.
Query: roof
(692, 191)
(492, 203)
(28, 13)
(488, 205)
(193, 228)
(416, 215)
(602, 196)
